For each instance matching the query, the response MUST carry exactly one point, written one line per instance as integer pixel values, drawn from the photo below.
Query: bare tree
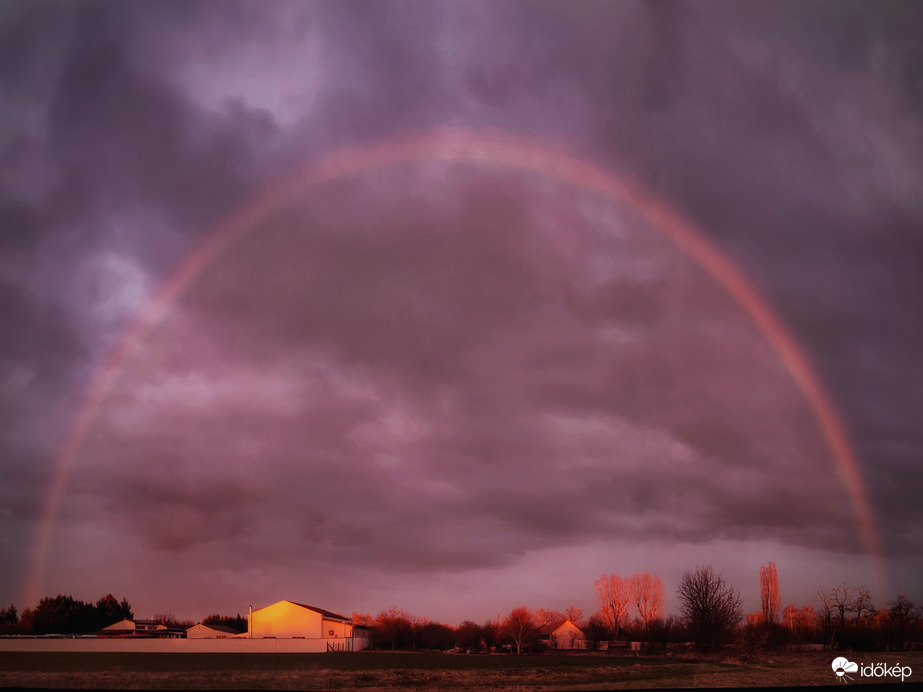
(595, 631)
(491, 634)
(543, 616)
(520, 627)
(361, 619)
(574, 614)
(393, 627)
(825, 615)
(902, 613)
(648, 596)
(171, 620)
(770, 600)
(790, 616)
(807, 620)
(843, 600)
(613, 594)
(799, 622)
(710, 606)
(662, 632)
(863, 608)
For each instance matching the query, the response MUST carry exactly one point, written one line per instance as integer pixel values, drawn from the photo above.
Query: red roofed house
(562, 634)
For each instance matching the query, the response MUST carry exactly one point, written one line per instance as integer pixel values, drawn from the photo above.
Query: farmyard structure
(283, 627)
(325, 630)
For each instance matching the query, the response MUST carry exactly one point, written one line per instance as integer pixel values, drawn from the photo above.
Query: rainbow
(468, 148)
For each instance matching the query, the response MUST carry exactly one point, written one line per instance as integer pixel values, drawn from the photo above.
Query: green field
(414, 671)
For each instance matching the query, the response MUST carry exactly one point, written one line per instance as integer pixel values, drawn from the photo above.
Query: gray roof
(548, 629)
(326, 613)
(219, 628)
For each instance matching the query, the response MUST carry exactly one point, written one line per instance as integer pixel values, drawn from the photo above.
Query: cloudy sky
(453, 386)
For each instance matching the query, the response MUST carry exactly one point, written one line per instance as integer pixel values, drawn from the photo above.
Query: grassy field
(416, 671)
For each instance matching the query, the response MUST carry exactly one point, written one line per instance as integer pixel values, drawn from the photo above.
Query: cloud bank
(433, 371)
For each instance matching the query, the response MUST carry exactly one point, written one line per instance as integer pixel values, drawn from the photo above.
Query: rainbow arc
(464, 148)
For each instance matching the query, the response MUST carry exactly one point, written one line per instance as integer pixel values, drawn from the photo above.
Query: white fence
(230, 645)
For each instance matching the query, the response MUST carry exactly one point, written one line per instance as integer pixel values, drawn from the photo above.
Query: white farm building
(289, 620)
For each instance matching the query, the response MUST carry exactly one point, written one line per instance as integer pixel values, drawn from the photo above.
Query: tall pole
(250, 623)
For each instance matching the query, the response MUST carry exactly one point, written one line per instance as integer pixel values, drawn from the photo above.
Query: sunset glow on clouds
(456, 387)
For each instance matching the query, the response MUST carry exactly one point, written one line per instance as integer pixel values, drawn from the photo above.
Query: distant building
(201, 631)
(131, 627)
(562, 634)
(290, 620)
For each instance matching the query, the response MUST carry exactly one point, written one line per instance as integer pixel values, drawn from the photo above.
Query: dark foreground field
(415, 671)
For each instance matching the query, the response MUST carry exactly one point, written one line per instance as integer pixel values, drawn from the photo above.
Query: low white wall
(231, 646)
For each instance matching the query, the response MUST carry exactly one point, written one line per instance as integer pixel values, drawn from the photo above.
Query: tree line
(629, 609)
(64, 615)
(710, 617)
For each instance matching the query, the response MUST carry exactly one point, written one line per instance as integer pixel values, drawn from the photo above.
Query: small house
(562, 634)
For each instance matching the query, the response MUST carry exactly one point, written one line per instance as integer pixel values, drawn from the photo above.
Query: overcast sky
(449, 387)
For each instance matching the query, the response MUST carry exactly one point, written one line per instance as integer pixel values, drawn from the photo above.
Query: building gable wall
(568, 636)
(201, 631)
(285, 619)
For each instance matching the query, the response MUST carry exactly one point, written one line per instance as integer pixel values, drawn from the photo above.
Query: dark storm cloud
(111, 138)
(174, 516)
(22, 490)
(122, 137)
(97, 156)
(29, 329)
(763, 132)
(435, 362)
(115, 152)
(774, 136)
